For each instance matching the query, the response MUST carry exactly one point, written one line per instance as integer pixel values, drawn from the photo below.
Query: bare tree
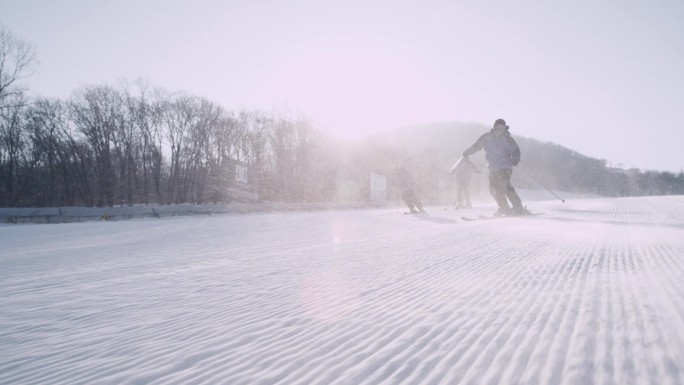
(223, 145)
(293, 143)
(16, 63)
(144, 106)
(252, 143)
(12, 151)
(96, 113)
(47, 126)
(178, 116)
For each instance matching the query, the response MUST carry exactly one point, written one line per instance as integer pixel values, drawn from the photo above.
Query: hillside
(428, 151)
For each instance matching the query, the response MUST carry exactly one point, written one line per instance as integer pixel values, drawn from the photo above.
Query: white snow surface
(591, 292)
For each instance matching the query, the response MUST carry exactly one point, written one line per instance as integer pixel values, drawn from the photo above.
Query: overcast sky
(603, 77)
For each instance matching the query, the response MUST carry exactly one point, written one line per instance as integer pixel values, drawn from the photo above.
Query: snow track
(590, 293)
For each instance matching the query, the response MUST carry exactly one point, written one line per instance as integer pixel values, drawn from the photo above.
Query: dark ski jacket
(403, 180)
(501, 151)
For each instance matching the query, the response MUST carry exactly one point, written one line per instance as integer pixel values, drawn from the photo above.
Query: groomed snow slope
(592, 292)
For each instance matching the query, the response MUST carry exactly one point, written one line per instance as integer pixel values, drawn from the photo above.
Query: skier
(405, 183)
(502, 154)
(464, 171)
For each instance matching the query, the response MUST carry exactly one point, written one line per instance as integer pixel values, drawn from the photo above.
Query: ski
(485, 217)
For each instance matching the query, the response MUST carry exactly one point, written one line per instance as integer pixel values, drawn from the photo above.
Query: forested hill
(431, 149)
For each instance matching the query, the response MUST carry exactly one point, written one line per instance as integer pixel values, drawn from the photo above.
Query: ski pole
(547, 189)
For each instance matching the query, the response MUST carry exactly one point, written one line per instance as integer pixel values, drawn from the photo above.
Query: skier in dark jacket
(502, 154)
(404, 181)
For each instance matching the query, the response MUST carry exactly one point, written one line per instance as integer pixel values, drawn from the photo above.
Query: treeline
(131, 144)
(429, 150)
(134, 144)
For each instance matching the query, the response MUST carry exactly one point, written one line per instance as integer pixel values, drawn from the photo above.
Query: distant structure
(378, 187)
(236, 181)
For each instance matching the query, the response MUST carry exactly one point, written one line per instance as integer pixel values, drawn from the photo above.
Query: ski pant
(501, 188)
(463, 195)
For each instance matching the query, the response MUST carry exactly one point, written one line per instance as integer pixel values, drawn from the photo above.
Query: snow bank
(82, 214)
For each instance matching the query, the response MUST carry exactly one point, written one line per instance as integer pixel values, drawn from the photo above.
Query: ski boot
(503, 212)
(519, 211)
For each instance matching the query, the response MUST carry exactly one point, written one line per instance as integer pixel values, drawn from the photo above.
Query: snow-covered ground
(592, 292)
(14, 215)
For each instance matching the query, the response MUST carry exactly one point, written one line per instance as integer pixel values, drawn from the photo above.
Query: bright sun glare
(351, 90)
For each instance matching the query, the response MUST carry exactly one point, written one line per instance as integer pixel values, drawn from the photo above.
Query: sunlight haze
(600, 77)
